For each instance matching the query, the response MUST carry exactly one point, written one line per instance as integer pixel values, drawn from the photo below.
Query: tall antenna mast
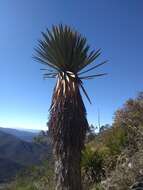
(99, 126)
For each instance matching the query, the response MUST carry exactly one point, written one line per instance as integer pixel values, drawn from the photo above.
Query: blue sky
(115, 26)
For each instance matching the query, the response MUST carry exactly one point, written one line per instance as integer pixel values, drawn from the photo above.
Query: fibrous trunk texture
(68, 126)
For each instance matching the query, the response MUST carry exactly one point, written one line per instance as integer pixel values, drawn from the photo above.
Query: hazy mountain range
(22, 134)
(17, 151)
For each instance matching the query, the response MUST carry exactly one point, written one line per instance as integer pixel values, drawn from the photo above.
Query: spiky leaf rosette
(67, 53)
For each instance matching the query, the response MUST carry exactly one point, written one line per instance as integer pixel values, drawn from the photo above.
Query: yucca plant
(66, 53)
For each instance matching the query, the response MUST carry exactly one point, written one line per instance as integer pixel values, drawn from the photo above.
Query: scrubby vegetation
(35, 178)
(111, 160)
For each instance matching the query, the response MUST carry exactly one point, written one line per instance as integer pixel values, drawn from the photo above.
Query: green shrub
(92, 165)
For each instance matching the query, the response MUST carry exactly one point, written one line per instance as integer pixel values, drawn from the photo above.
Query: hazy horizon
(23, 129)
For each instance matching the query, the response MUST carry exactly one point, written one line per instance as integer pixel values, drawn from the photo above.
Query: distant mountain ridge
(22, 134)
(16, 154)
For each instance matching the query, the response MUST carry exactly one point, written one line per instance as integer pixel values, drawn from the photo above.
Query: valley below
(18, 151)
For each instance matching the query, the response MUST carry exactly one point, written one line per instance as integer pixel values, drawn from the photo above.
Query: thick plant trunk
(68, 125)
(67, 170)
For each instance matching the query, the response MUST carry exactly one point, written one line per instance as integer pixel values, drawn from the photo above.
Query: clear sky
(116, 26)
